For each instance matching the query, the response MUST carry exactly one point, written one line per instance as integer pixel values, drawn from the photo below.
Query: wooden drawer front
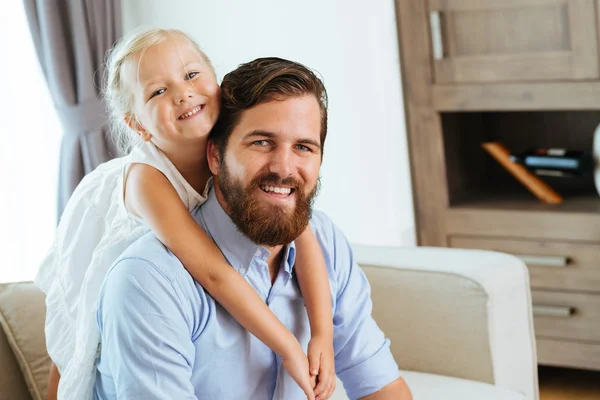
(561, 353)
(513, 40)
(552, 265)
(562, 315)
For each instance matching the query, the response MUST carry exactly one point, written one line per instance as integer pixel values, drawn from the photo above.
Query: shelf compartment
(473, 175)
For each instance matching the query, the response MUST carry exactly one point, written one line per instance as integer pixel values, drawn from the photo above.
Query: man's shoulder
(147, 272)
(149, 253)
(335, 246)
(326, 231)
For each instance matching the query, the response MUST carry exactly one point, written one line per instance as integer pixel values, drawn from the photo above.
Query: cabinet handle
(435, 21)
(552, 311)
(544, 261)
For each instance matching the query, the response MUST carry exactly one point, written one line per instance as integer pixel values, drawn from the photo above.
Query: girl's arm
(150, 195)
(314, 284)
(53, 379)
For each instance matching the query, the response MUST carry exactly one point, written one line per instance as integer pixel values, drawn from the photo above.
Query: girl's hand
(322, 365)
(296, 364)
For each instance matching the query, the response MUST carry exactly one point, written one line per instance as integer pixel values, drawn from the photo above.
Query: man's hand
(296, 364)
(397, 390)
(322, 365)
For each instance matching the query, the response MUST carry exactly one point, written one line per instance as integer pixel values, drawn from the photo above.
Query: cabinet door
(513, 40)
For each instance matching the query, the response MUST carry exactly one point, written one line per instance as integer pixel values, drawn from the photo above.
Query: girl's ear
(212, 154)
(138, 128)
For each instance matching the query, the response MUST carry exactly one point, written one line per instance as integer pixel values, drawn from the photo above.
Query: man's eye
(261, 143)
(190, 75)
(302, 147)
(157, 93)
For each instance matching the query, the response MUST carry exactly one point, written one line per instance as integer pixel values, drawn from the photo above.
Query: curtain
(71, 38)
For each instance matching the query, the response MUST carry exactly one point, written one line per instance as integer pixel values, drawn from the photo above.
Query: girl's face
(176, 95)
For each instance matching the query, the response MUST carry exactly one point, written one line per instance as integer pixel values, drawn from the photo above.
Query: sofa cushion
(22, 318)
(12, 385)
(435, 387)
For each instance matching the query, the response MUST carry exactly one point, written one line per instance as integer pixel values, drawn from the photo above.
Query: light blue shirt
(164, 337)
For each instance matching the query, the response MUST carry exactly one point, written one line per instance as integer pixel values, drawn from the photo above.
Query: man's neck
(274, 261)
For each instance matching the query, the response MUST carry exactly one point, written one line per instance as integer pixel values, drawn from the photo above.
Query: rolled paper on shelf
(534, 184)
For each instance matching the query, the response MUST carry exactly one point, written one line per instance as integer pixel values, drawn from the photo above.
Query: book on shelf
(556, 162)
(535, 185)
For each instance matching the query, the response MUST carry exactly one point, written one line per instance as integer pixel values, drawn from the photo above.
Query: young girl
(162, 91)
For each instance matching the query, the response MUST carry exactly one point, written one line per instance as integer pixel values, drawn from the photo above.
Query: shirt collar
(238, 249)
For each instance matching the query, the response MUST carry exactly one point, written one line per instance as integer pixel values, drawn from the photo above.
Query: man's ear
(138, 128)
(212, 153)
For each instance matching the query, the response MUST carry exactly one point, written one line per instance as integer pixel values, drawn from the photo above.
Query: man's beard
(263, 223)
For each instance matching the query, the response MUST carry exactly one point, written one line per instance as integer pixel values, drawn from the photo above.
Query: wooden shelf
(584, 95)
(524, 73)
(578, 218)
(491, 200)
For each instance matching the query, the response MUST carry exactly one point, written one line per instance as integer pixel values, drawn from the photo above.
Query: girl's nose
(182, 93)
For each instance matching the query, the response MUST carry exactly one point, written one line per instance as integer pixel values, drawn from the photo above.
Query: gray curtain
(71, 38)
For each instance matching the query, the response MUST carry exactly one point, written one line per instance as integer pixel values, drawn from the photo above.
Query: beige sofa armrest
(454, 312)
(12, 384)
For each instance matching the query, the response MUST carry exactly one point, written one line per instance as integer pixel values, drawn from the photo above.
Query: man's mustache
(275, 179)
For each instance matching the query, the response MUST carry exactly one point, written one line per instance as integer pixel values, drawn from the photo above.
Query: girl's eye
(190, 75)
(157, 93)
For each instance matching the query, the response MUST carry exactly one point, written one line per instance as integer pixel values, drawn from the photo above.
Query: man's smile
(279, 194)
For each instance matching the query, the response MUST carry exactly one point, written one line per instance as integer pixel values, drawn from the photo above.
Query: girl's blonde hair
(119, 98)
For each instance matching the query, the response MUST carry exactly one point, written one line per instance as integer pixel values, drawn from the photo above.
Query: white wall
(365, 175)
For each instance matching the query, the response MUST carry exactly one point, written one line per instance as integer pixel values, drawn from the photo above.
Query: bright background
(352, 44)
(29, 150)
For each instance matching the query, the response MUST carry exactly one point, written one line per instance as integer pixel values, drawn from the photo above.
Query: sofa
(459, 321)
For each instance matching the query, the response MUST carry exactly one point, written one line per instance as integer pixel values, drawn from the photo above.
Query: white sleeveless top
(94, 230)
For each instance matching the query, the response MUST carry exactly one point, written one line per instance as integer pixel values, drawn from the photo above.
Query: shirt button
(258, 253)
(242, 270)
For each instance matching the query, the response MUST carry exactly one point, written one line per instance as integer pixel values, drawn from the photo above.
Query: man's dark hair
(261, 81)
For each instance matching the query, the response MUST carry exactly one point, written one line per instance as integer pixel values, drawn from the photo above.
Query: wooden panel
(508, 41)
(584, 41)
(517, 97)
(572, 354)
(423, 123)
(480, 5)
(521, 67)
(583, 324)
(581, 272)
(526, 219)
(510, 31)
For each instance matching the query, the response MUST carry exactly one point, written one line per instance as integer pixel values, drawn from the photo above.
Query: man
(164, 337)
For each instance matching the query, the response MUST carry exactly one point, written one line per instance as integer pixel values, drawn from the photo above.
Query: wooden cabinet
(524, 73)
(513, 40)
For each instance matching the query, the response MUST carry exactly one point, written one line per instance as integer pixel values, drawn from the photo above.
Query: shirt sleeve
(146, 333)
(363, 360)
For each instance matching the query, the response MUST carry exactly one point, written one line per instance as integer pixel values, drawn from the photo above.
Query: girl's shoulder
(149, 154)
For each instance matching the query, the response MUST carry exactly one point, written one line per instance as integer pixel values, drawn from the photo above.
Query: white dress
(94, 230)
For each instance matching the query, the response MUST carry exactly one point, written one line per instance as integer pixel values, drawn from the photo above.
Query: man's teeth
(190, 113)
(276, 189)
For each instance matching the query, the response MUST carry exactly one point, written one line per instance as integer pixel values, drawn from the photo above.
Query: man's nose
(282, 162)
